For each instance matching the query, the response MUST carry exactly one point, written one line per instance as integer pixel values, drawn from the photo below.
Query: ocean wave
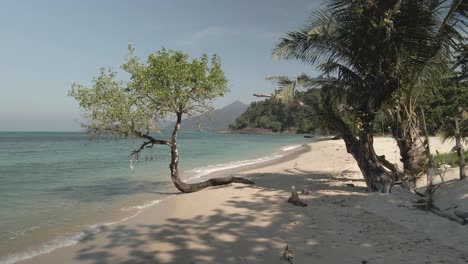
(199, 172)
(287, 148)
(60, 242)
(145, 205)
(45, 248)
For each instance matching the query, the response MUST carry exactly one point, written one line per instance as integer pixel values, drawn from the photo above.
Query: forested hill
(277, 116)
(219, 119)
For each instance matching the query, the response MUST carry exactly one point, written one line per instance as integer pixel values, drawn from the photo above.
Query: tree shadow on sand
(259, 227)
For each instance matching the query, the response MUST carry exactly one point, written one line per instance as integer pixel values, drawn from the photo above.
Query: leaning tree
(167, 84)
(362, 48)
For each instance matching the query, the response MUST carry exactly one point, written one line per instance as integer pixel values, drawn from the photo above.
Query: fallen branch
(461, 214)
(448, 216)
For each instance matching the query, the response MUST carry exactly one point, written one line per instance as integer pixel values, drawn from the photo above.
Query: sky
(47, 45)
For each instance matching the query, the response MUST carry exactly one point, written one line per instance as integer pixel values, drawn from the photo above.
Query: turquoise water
(54, 184)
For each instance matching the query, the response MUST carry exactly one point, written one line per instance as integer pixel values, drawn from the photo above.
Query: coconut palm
(364, 50)
(444, 22)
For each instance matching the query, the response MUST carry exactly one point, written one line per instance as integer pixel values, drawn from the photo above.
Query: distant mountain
(219, 119)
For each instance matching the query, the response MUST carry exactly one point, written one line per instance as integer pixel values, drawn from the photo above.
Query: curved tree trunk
(376, 176)
(193, 187)
(406, 133)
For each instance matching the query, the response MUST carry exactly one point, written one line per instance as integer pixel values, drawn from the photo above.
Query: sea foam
(199, 172)
(62, 241)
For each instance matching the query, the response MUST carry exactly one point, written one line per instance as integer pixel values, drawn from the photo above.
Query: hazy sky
(47, 45)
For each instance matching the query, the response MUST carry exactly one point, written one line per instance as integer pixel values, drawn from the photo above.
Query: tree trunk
(405, 132)
(193, 187)
(459, 147)
(376, 176)
(372, 166)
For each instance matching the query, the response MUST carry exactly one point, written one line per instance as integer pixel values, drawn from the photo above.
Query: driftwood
(461, 214)
(448, 216)
(294, 199)
(287, 255)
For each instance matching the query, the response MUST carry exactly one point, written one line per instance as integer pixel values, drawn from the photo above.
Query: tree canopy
(167, 83)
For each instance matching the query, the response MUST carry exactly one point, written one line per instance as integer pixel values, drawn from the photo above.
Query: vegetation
(278, 116)
(374, 55)
(441, 105)
(168, 83)
(452, 113)
(429, 91)
(449, 159)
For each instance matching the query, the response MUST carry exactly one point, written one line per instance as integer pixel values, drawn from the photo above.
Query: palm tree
(362, 49)
(441, 24)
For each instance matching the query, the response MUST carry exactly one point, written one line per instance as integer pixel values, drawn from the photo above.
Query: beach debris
(305, 191)
(429, 206)
(461, 221)
(294, 199)
(287, 254)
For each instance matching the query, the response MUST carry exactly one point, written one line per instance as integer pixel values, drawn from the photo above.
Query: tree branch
(391, 166)
(263, 95)
(142, 147)
(151, 139)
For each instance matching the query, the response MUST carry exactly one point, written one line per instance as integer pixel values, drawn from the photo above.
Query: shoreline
(254, 223)
(70, 239)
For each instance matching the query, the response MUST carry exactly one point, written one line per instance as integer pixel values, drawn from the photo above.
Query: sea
(57, 187)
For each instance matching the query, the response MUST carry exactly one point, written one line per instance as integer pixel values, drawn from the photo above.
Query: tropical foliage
(372, 55)
(441, 106)
(279, 116)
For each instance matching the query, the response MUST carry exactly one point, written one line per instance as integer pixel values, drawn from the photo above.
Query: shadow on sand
(256, 226)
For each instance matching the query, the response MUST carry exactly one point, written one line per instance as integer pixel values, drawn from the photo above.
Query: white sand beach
(254, 224)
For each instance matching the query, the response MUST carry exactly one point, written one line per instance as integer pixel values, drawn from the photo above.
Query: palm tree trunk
(461, 158)
(193, 187)
(376, 176)
(406, 133)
